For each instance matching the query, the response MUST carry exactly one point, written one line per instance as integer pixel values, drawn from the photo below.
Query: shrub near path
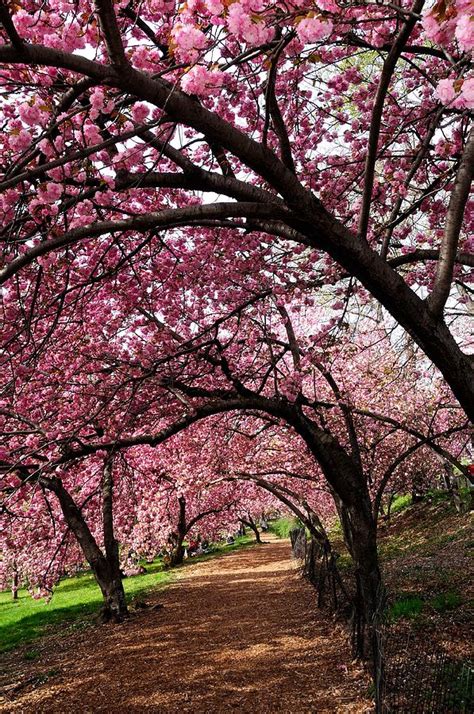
(239, 632)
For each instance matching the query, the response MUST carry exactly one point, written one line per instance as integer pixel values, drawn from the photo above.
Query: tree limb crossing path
(235, 633)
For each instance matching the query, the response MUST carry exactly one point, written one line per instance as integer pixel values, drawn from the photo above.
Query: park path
(238, 633)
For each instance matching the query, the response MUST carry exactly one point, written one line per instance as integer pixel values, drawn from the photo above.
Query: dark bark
(104, 567)
(250, 523)
(370, 591)
(112, 588)
(177, 553)
(349, 484)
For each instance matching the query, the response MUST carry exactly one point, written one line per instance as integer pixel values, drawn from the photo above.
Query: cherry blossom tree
(339, 127)
(199, 204)
(281, 372)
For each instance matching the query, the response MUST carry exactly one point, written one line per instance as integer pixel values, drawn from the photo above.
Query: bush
(282, 526)
(401, 502)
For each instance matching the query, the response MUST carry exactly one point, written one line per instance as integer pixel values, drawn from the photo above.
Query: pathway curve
(237, 633)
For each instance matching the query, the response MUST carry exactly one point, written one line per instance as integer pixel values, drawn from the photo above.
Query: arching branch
(192, 215)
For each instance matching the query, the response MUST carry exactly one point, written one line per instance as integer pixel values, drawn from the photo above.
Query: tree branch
(449, 244)
(384, 82)
(111, 32)
(423, 254)
(165, 219)
(9, 27)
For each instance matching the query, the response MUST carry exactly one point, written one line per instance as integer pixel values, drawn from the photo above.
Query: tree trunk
(109, 579)
(15, 583)
(250, 523)
(177, 553)
(370, 598)
(115, 606)
(106, 569)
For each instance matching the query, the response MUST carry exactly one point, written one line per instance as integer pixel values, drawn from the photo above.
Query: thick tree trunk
(115, 604)
(250, 523)
(370, 595)
(349, 484)
(109, 579)
(106, 569)
(177, 554)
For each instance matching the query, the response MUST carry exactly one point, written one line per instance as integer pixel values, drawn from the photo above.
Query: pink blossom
(140, 112)
(91, 134)
(20, 140)
(215, 7)
(312, 30)
(245, 27)
(50, 193)
(46, 147)
(201, 81)
(327, 5)
(445, 91)
(29, 113)
(467, 93)
(189, 42)
(465, 33)
(431, 27)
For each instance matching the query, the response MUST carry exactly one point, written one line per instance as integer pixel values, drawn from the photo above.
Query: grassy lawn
(76, 600)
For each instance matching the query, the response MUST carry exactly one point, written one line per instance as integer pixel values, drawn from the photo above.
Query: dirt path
(237, 633)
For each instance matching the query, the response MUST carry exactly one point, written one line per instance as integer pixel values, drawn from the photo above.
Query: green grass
(407, 607)
(411, 606)
(446, 601)
(400, 502)
(77, 600)
(74, 600)
(281, 527)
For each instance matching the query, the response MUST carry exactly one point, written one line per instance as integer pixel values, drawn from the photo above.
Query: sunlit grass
(73, 599)
(281, 527)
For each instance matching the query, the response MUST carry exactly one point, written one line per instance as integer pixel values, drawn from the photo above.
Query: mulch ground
(236, 633)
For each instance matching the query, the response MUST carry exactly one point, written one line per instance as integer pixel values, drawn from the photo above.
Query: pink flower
(215, 7)
(140, 112)
(189, 42)
(467, 93)
(312, 30)
(202, 81)
(245, 27)
(431, 27)
(29, 114)
(445, 91)
(21, 140)
(91, 134)
(50, 193)
(328, 5)
(465, 33)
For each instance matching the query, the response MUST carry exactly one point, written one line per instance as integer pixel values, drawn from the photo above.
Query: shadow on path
(239, 633)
